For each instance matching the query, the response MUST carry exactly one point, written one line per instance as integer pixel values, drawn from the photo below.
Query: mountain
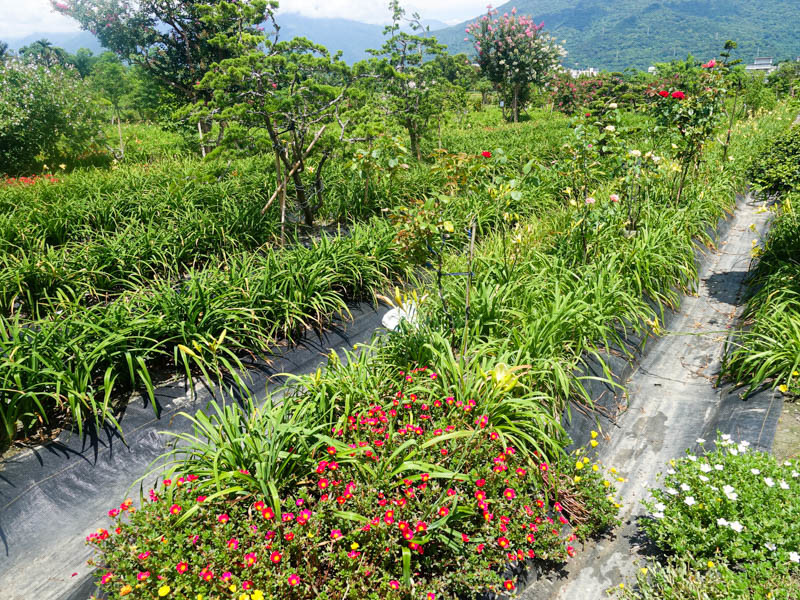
(615, 34)
(68, 41)
(353, 38)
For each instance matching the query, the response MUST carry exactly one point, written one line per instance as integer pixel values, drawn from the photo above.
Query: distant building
(591, 71)
(761, 64)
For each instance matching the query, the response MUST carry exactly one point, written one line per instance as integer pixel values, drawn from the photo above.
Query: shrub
(414, 492)
(43, 111)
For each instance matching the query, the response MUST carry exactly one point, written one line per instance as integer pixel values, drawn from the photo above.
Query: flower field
(280, 187)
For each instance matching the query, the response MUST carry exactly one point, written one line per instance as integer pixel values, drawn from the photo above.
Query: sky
(19, 18)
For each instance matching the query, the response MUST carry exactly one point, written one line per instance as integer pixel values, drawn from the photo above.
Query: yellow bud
(354, 546)
(643, 570)
(594, 443)
(594, 434)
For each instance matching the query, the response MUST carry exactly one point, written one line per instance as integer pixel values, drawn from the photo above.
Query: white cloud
(19, 18)
(377, 11)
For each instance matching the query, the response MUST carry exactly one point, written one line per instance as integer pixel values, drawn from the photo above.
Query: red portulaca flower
(678, 95)
(486, 154)
(174, 509)
(293, 580)
(106, 578)
(509, 585)
(275, 557)
(182, 567)
(394, 584)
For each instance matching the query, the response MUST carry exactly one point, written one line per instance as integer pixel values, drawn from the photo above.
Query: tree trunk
(412, 134)
(119, 130)
(515, 104)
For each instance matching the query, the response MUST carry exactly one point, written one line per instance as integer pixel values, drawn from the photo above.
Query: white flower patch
(672, 491)
(659, 507)
(704, 479)
(755, 471)
(690, 501)
(691, 457)
(783, 484)
(670, 471)
(701, 441)
(794, 557)
(733, 452)
(685, 487)
(769, 482)
(718, 467)
(736, 526)
(770, 546)
(658, 515)
(722, 522)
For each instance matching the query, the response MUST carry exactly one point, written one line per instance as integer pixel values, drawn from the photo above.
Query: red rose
(663, 93)
(486, 154)
(678, 95)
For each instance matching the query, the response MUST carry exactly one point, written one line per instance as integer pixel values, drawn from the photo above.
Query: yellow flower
(163, 590)
(199, 596)
(643, 570)
(594, 434)
(595, 468)
(622, 586)
(62, 166)
(606, 483)
(594, 443)
(125, 590)
(232, 587)
(579, 465)
(710, 564)
(795, 374)
(586, 459)
(783, 388)
(577, 479)
(244, 597)
(613, 470)
(354, 546)
(257, 595)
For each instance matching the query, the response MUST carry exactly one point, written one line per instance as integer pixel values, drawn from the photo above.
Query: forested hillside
(615, 34)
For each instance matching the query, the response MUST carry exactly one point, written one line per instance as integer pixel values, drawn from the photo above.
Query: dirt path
(672, 402)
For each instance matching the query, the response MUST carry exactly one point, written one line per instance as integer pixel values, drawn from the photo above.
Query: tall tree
(409, 79)
(169, 38)
(43, 52)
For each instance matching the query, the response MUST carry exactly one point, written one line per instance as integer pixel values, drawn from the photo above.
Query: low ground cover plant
(411, 493)
(728, 519)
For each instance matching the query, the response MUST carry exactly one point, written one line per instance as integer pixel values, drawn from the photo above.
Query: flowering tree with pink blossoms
(513, 52)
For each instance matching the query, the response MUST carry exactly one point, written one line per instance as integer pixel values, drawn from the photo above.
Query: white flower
(734, 452)
(770, 546)
(786, 463)
(794, 557)
(658, 515)
(705, 468)
(685, 487)
(726, 437)
(718, 467)
(672, 491)
(755, 471)
(744, 443)
(722, 522)
(701, 441)
(670, 471)
(733, 496)
(727, 489)
(612, 106)
(742, 448)
(736, 526)
(659, 507)
(795, 474)
(704, 479)
(635, 153)
(610, 128)
(769, 482)
(690, 501)
(691, 457)
(784, 485)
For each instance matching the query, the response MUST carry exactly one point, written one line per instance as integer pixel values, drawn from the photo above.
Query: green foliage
(169, 39)
(45, 114)
(768, 347)
(776, 169)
